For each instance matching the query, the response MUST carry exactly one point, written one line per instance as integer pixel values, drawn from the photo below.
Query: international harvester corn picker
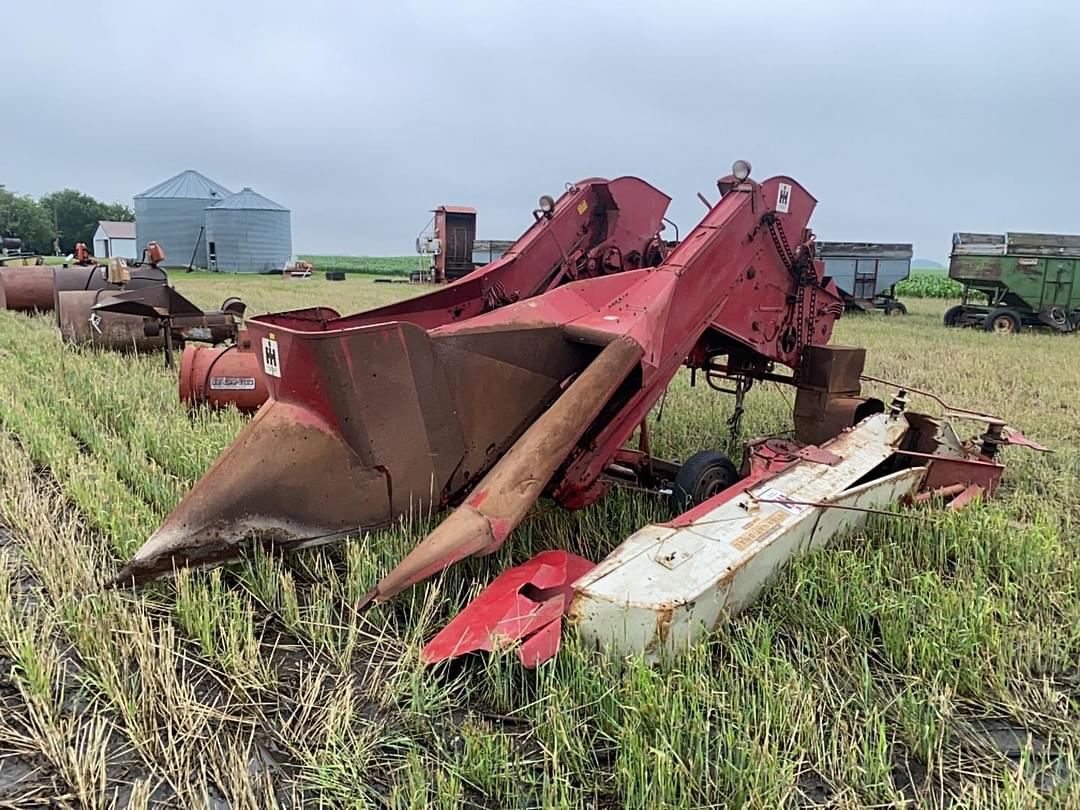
(483, 406)
(620, 231)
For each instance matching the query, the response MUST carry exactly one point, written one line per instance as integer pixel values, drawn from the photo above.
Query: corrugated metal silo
(249, 233)
(173, 214)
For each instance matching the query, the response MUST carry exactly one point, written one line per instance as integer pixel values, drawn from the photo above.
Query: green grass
(865, 676)
(49, 260)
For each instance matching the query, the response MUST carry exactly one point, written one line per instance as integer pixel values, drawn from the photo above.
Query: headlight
(741, 170)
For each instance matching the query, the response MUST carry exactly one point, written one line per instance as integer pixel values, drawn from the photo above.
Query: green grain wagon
(1026, 279)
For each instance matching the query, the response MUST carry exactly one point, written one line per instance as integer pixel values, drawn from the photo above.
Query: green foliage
(76, 216)
(69, 214)
(25, 218)
(371, 265)
(929, 285)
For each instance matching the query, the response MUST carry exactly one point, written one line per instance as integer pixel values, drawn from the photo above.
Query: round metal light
(547, 204)
(741, 170)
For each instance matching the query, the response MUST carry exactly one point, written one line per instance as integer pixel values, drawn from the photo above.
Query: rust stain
(664, 615)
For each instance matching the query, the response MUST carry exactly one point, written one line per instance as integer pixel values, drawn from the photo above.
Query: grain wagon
(866, 273)
(1025, 279)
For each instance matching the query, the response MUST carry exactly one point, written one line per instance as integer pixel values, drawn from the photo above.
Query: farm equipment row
(530, 377)
(115, 306)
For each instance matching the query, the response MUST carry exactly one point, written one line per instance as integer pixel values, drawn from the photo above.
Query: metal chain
(804, 277)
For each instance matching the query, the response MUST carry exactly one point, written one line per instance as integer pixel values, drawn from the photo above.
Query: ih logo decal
(783, 198)
(271, 358)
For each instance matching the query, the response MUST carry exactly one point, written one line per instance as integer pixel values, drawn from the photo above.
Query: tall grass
(866, 675)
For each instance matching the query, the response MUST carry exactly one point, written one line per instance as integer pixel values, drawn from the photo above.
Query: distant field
(372, 265)
(929, 284)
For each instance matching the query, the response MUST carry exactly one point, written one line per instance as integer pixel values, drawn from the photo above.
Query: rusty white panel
(664, 585)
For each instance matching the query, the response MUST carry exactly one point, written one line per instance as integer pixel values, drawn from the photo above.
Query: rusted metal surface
(80, 325)
(413, 419)
(299, 505)
(502, 498)
(523, 604)
(79, 278)
(383, 412)
(455, 228)
(220, 376)
(27, 289)
(161, 304)
(147, 318)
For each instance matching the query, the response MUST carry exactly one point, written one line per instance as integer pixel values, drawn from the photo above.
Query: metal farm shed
(248, 233)
(173, 214)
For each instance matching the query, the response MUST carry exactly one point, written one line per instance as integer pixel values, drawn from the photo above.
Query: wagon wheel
(895, 308)
(953, 315)
(703, 475)
(1002, 322)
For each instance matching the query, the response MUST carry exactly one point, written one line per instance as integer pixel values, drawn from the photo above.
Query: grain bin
(173, 214)
(248, 233)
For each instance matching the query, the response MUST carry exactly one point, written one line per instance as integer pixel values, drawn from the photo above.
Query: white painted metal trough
(667, 583)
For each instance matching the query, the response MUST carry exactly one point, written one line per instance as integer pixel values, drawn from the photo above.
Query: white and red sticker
(271, 358)
(232, 383)
(777, 497)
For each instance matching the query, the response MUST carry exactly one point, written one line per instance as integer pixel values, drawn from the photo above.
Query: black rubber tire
(703, 475)
(952, 315)
(895, 308)
(997, 318)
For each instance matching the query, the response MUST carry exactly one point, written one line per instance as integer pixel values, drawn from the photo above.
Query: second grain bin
(173, 214)
(248, 233)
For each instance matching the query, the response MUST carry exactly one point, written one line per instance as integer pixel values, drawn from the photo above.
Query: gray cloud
(907, 121)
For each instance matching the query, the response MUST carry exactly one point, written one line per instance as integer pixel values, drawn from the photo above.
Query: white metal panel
(124, 248)
(665, 585)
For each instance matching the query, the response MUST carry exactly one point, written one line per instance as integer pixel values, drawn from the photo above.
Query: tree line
(56, 222)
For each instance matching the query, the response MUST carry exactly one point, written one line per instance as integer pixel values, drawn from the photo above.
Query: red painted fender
(525, 603)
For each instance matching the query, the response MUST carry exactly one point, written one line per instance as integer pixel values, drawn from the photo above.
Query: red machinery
(490, 412)
(616, 229)
(452, 243)
(83, 256)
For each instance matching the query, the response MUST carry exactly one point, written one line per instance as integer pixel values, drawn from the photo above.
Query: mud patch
(813, 790)
(1040, 759)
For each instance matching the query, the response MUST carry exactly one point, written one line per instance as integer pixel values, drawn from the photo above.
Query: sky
(907, 121)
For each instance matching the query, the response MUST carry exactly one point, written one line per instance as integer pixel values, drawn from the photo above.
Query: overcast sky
(907, 121)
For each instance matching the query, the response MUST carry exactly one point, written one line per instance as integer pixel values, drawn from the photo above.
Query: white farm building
(115, 239)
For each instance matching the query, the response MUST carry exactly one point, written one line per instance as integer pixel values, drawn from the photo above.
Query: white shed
(115, 239)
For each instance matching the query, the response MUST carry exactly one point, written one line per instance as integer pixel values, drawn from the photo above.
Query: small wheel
(1002, 321)
(894, 308)
(703, 475)
(953, 315)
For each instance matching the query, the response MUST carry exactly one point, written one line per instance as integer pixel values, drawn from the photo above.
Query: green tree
(76, 216)
(25, 218)
(118, 212)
